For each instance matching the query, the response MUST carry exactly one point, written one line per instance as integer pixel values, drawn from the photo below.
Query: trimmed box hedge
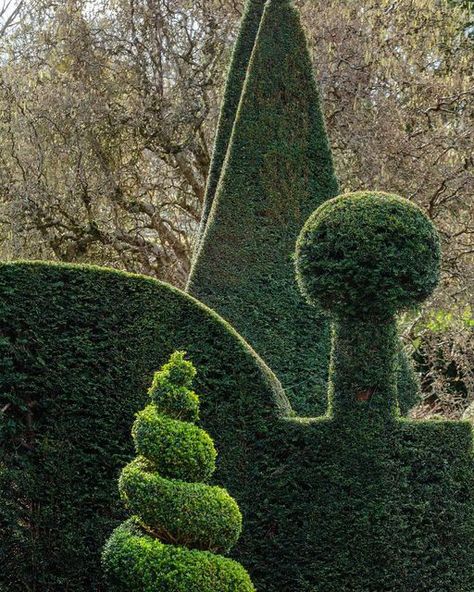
(79, 345)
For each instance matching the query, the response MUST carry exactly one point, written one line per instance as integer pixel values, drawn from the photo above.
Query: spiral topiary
(363, 257)
(178, 521)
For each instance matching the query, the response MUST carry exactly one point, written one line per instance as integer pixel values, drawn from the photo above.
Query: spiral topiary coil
(178, 521)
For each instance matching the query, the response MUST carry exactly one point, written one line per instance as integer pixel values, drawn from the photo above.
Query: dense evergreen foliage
(368, 255)
(230, 103)
(278, 170)
(78, 347)
(360, 500)
(391, 501)
(357, 501)
(173, 509)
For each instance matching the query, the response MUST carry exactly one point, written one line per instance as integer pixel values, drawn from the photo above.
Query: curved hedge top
(331, 504)
(79, 346)
(368, 254)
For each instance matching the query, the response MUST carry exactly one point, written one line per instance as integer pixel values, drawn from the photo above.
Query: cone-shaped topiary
(278, 170)
(178, 521)
(230, 103)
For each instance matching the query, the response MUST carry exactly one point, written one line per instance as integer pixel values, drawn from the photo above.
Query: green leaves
(175, 449)
(170, 390)
(233, 91)
(278, 168)
(146, 564)
(80, 346)
(368, 255)
(164, 489)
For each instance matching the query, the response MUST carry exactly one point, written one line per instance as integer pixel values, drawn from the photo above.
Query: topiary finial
(368, 254)
(179, 522)
(363, 257)
(171, 389)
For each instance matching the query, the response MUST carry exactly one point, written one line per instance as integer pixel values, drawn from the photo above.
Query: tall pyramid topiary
(179, 522)
(230, 103)
(278, 169)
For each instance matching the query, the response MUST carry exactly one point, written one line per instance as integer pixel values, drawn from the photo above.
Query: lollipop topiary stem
(364, 362)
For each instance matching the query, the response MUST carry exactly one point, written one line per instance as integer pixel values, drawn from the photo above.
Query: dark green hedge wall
(386, 504)
(278, 170)
(79, 346)
(382, 506)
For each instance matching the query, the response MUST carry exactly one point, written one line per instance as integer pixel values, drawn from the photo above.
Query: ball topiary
(362, 257)
(178, 521)
(368, 254)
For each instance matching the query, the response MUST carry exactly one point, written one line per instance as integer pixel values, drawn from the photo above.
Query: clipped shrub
(148, 552)
(79, 345)
(390, 501)
(362, 258)
(368, 255)
(278, 169)
(230, 103)
(357, 501)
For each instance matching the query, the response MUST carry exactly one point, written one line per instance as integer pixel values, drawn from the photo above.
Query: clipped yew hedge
(358, 500)
(278, 169)
(79, 346)
(389, 503)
